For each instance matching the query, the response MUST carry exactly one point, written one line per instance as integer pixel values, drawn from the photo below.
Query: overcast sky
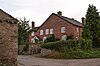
(39, 10)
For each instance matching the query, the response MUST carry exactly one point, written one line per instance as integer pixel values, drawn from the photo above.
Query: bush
(50, 38)
(70, 44)
(72, 49)
(58, 45)
(70, 37)
(24, 50)
(85, 44)
(26, 47)
(52, 45)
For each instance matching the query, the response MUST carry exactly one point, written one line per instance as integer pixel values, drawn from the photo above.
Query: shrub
(70, 37)
(51, 45)
(26, 47)
(85, 44)
(69, 44)
(72, 49)
(50, 38)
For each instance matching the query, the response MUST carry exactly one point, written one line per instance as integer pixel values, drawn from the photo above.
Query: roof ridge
(71, 20)
(8, 14)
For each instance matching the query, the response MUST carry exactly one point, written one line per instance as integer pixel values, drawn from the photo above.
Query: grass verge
(75, 55)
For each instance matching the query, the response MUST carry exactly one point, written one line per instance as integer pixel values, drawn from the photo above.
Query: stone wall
(45, 52)
(8, 43)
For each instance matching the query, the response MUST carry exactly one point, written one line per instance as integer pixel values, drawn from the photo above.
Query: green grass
(76, 55)
(81, 54)
(96, 49)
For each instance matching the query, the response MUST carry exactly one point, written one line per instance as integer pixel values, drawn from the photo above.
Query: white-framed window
(35, 39)
(32, 34)
(62, 29)
(76, 38)
(41, 32)
(47, 31)
(77, 29)
(64, 37)
(32, 40)
(44, 38)
(51, 31)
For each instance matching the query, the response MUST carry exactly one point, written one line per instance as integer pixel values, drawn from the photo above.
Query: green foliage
(72, 49)
(51, 45)
(86, 44)
(23, 31)
(50, 38)
(80, 54)
(92, 26)
(26, 47)
(70, 44)
(70, 37)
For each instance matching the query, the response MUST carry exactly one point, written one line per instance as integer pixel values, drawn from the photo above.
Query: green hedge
(52, 45)
(70, 44)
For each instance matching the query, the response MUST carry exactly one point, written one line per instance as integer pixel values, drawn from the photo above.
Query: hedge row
(70, 44)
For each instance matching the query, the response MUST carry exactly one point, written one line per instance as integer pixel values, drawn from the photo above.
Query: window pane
(32, 33)
(62, 29)
(77, 29)
(64, 37)
(47, 31)
(41, 32)
(51, 31)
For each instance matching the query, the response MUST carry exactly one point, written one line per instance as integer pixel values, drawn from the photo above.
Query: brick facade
(56, 21)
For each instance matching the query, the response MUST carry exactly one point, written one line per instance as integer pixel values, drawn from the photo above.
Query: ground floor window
(76, 38)
(34, 40)
(44, 38)
(64, 37)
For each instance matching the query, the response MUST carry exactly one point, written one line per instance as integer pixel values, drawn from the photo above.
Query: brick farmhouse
(58, 25)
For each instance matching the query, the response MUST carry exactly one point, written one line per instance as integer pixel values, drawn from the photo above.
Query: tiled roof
(6, 17)
(34, 29)
(71, 20)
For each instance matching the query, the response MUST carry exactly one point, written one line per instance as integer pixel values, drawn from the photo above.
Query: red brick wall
(56, 23)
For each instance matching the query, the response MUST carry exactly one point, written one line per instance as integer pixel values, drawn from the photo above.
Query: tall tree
(23, 31)
(92, 26)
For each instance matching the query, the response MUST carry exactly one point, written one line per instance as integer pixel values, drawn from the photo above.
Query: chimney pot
(59, 13)
(83, 21)
(33, 24)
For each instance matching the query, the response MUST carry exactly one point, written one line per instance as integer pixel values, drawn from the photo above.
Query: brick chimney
(59, 13)
(33, 24)
(83, 21)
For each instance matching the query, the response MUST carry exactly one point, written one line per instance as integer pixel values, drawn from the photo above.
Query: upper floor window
(32, 33)
(77, 29)
(51, 31)
(62, 29)
(47, 31)
(41, 32)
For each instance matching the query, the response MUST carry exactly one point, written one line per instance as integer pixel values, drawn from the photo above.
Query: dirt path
(34, 61)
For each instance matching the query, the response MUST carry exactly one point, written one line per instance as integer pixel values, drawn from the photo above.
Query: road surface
(30, 60)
